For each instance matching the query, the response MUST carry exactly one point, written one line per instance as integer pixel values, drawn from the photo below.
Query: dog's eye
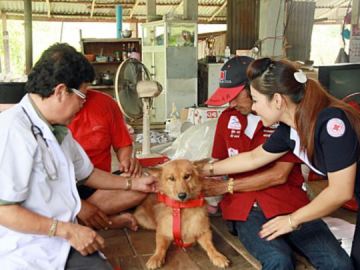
(187, 176)
(171, 178)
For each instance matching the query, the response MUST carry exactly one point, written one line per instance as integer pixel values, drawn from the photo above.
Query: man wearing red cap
(252, 198)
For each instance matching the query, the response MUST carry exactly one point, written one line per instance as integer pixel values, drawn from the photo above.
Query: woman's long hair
(269, 77)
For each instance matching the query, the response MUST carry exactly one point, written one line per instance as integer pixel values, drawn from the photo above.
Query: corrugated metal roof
(209, 11)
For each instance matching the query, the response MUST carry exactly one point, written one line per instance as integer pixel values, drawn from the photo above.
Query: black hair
(269, 77)
(60, 63)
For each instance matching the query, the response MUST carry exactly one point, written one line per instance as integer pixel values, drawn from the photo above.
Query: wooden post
(242, 24)
(5, 43)
(355, 11)
(190, 10)
(150, 10)
(28, 35)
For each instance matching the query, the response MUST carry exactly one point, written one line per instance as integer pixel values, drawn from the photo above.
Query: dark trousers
(313, 240)
(76, 261)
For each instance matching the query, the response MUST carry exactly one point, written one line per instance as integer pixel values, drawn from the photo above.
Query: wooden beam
(175, 7)
(59, 17)
(119, 2)
(28, 35)
(150, 10)
(133, 8)
(218, 11)
(92, 8)
(331, 8)
(49, 8)
(355, 13)
(191, 10)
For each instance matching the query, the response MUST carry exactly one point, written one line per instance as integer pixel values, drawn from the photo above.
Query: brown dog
(179, 180)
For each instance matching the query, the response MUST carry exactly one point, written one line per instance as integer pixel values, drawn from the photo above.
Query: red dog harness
(176, 206)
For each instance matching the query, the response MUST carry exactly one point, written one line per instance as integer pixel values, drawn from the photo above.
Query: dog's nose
(182, 196)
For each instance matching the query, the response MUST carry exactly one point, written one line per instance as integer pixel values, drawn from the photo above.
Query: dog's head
(179, 179)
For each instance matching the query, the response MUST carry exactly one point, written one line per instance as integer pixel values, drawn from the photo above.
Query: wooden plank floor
(131, 250)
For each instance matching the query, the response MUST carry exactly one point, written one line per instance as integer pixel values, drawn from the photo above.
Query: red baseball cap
(233, 80)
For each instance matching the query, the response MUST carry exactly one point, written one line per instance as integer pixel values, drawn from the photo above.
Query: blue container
(118, 12)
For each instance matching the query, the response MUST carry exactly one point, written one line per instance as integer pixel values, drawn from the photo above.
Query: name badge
(234, 123)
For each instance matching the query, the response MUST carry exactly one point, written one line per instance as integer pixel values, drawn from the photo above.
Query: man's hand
(213, 187)
(93, 217)
(130, 166)
(81, 238)
(144, 184)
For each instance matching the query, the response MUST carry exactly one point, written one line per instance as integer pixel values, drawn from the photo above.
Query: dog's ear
(154, 171)
(199, 164)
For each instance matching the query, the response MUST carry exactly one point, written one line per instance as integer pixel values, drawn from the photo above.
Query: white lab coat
(23, 179)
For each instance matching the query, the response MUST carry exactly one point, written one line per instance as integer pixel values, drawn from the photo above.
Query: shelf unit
(169, 50)
(112, 48)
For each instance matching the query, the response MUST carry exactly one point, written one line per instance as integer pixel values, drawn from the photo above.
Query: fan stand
(146, 158)
(146, 90)
(146, 131)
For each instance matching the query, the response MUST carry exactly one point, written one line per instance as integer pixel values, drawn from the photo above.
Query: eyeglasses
(78, 93)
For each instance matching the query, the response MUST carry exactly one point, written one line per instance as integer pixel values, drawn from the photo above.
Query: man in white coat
(40, 166)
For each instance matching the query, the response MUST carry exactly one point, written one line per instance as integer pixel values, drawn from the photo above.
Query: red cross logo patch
(335, 127)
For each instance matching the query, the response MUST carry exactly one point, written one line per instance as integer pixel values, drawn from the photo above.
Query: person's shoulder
(14, 124)
(98, 94)
(13, 117)
(97, 102)
(94, 95)
(330, 113)
(228, 112)
(280, 129)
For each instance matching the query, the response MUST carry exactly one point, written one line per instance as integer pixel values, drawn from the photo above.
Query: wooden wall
(242, 24)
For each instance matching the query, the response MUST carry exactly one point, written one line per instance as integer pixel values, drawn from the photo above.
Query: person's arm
(103, 180)
(127, 163)
(275, 175)
(339, 191)
(82, 238)
(91, 216)
(242, 162)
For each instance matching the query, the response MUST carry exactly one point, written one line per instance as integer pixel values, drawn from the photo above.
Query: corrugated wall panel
(242, 24)
(299, 30)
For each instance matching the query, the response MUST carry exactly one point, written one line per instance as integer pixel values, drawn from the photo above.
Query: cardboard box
(201, 115)
(184, 115)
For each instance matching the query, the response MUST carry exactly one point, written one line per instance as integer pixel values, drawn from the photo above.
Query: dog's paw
(155, 262)
(220, 260)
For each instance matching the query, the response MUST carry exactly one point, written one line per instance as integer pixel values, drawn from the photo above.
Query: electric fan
(134, 92)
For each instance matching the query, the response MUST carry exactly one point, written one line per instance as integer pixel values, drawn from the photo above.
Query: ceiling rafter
(174, 8)
(49, 8)
(96, 10)
(217, 11)
(133, 8)
(92, 8)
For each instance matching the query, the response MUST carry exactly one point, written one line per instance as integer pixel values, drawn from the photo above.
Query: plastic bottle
(173, 124)
(227, 54)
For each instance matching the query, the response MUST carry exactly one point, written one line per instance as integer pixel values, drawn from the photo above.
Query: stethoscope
(47, 156)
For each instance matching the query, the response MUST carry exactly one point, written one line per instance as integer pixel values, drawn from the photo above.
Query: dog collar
(176, 213)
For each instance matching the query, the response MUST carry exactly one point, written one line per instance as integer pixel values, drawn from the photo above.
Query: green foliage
(16, 46)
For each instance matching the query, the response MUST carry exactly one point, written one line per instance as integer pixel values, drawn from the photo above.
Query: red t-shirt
(236, 133)
(99, 126)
